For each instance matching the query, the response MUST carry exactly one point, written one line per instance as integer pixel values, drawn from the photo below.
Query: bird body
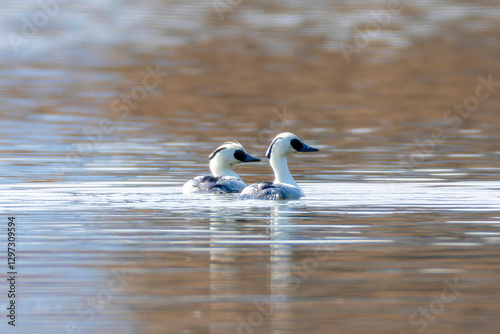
(284, 185)
(223, 178)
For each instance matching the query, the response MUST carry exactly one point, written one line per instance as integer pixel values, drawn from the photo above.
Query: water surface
(107, 242)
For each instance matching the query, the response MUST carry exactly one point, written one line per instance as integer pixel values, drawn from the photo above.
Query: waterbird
(284, 185)
(223, 178)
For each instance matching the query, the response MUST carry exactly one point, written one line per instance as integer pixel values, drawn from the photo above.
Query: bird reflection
(251, 267)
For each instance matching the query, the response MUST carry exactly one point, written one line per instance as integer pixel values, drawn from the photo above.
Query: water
(394, 223)
(351, 250)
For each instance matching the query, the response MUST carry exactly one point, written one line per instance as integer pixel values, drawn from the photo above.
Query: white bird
(284, 186)
(223, 178)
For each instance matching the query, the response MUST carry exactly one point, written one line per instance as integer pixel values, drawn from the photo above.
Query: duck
(284, 185)
(223, 178)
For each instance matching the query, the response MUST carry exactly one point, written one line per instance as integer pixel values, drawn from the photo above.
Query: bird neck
(219, 168)
(282, 174)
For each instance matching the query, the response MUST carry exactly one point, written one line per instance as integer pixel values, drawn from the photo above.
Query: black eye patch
(296, 144)
(240, 155)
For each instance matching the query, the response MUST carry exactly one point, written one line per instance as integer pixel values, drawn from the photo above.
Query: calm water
(108, 244)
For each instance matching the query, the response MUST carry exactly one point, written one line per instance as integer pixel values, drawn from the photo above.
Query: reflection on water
(107, 242)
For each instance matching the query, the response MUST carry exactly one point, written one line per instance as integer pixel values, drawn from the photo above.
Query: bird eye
(296, 144)
(240, 155)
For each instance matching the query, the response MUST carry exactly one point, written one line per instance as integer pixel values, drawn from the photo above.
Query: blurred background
(108, 107)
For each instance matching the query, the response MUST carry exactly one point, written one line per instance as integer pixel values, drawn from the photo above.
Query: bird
(223, 178)
(284, 185)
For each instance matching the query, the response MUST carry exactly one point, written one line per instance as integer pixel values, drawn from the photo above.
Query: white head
(287, 143)
(226, 156)
(284, 144)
